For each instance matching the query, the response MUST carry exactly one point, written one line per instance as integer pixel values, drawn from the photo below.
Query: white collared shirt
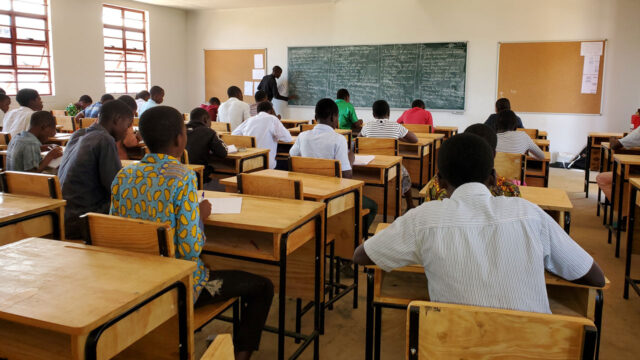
(141, 103)
(631, 140)
(481, 250)
(234, 112)
(518, 142)
(17, 120)
(324, 143)
(268, 130)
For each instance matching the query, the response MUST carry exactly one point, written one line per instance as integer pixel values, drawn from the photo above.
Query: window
(25, 60)
(125, 50)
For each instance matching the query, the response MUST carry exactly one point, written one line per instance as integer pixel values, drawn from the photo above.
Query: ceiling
(229, 4)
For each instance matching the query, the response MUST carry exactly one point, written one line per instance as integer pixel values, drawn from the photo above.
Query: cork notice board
(547, 77)
(224, 68)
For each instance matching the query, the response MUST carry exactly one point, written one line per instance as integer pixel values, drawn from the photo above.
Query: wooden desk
(543, 144)
(378, 176)
(448, 131)
(251, 159)
(289, 124)
(593, 154)
(537, 171)
(624, 168)
(416, 157)
(542, 134)
(633, 243)
(279, 239)
(199, 169)
(60, 139)
(71, 301)
(396, 289)
(554, 202)
(606, 164)
(437, 141)
(27, 216)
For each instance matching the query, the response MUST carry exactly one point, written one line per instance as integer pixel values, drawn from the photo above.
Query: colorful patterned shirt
(72, 110)
(159, 188)
(503, 188)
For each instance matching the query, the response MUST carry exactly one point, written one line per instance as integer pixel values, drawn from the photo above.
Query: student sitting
(260, 96)
(89, 164)
(131, 139)
(324, 143)
(416, 115)
(503, 186)
(141, 99)
(157, 98)
(17, 120)
(93, 111)
(267, 129)
(348, 119)
(203, 142)
(512, 141)
(212, 108)
(478, 249)
(23, 152)
(5, 102)
(234, 111)
(73, 109)
(159, 188)
(502, 104)
(381, 127)
(605, 179)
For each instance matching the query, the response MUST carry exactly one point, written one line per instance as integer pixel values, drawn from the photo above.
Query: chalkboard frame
(453, 111)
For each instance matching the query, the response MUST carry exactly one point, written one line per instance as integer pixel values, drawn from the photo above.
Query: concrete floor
(344, 337)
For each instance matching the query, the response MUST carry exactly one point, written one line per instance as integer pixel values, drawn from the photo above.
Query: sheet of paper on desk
(231, 205)
(55, 163)
(363, 159)
(231, 149)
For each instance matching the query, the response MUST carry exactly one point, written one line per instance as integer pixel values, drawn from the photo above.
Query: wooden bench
(220, 349)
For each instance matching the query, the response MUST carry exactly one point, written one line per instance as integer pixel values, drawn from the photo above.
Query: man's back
(234, 112)
(17, 120)
(324, 143)
(267, 130)
(383, 128)
(416, 115)
(203, 142)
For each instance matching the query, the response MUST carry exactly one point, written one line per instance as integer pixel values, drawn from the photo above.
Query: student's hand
(205, 209)
(615, 144)
(53, 154)
(56, 152)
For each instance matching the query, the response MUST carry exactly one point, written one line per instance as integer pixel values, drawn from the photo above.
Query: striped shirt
(518, 142)
(383, 128)
(481, 250)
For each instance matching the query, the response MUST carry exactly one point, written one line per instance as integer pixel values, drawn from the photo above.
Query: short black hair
(418, 103)
(2, 92)
(277, 68)
(131, 102)
(42, 118)
(159, 126)
(25, 96)
(142, 94)
(465, 158)
(503, 104)
(4, 97)
(214, 100)
(342, 94)
(106, 97)
(260, 95)
(86, 99)
(156, 90)
(197, 115)
(326, 109)
(233, 91)
(380, 109)
(485, 132)
(507, 121)
(265, 106)
(112, 110)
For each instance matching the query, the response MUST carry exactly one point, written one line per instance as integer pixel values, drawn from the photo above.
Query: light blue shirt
(23, 152)
(148, 105)
(324, 143)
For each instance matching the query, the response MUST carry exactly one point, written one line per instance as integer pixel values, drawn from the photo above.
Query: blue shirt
(23, 152)
(148, 105)
(92, 111)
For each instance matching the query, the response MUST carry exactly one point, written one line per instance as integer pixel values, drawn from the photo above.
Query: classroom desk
(633, 244)
(294, 131)
(289, 124)
(594, 139)
(250, 159)
(624, 167)
(396, 289)
(27, 216)
(60, 139)
(378, 176)
(448, 131)
(606, 164)
(199, 169)
(280, 239)
(543, 144)
(416, 157)
(537, 171)
(62, 300)
(542, 134)
(437, 142)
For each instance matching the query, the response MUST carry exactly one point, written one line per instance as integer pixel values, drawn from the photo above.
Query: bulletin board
(224, 68)
(552, 77)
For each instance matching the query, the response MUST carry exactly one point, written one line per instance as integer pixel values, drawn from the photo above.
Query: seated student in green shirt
(23, 152)
(348, 119)
(83, 102)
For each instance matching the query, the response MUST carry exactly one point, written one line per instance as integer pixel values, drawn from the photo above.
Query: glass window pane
(30, 22)
(111, 16)
(33, 61)
(115, 88)
(29, 7)
(5, 4)
(5, 20)
(31, 50)
(134, 35)
(134, 15)
(134, 88)
(136, 45)
(7, 77)
(5, 48)
(135, 24)
(112, 33)
(30, 76)
(28, 34)
(114, 65)
(135, 66)
(42, 88)
(131, 56)
(112, 43)
(6, 60)
(113, 56)
(5, 32)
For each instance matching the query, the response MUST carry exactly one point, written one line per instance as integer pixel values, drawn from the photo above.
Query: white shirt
(268, 130)
(518, 142)
(234, 112)
(140, 103)
(324, 143)
(631, 140)
(17, 120)
(481, 250)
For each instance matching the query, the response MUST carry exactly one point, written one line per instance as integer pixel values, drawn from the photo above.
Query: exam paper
(258, 74)
(55, 163)
(248, 88)
(363, 159)
(232, 205)
(231, 149)
(591, 65)
(589, 84)
(258, 61)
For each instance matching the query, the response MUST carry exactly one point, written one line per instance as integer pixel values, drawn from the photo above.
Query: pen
(202, 196)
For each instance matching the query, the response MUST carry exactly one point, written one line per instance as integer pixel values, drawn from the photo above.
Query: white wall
(482, 23)
(78, 51)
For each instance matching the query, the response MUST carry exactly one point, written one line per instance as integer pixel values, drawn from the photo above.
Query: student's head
(84, 101)
(234, 92)
(2, 92)
(266, 106)
(157, 94)
(343, 94)
(465, 158)
(260, 96)
(277, 71)
(163, 131)
(29, 98)
(502, 104)
(486, 133)
(381, 109)
(507, 121)
(327, 112)
(200, 116)
(131, 102)
(214, 101)
(5, 101)
(144, 95)
(418, 104)
(106, 98)
(116, 117)
(42, 125)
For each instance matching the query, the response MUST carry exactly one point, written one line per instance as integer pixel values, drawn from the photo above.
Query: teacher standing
(270, 86)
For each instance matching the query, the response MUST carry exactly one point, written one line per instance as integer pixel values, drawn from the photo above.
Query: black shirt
(270, 86)
(493, 119)
(202, 143)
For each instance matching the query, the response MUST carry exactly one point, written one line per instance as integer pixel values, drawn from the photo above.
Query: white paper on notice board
(258, 74)
(258, 61)
(255, 86)
(591, 65)
(248, 88)
(591, 48)
(589, 84)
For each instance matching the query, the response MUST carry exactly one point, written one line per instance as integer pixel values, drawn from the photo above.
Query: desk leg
(385, 193)
(368, 355)
(587, 166)
(546, 174)
(358, 219)
(612, 201)
(632, 219)
(597, 318)
(620, 203)
(61, 233)
(567, 221)
(420, 183)
(282, 295)
(377, 331)
(398, 187)
(319, 306)
(600, 190)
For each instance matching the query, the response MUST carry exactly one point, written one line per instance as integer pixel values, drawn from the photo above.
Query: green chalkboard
(400, 73)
